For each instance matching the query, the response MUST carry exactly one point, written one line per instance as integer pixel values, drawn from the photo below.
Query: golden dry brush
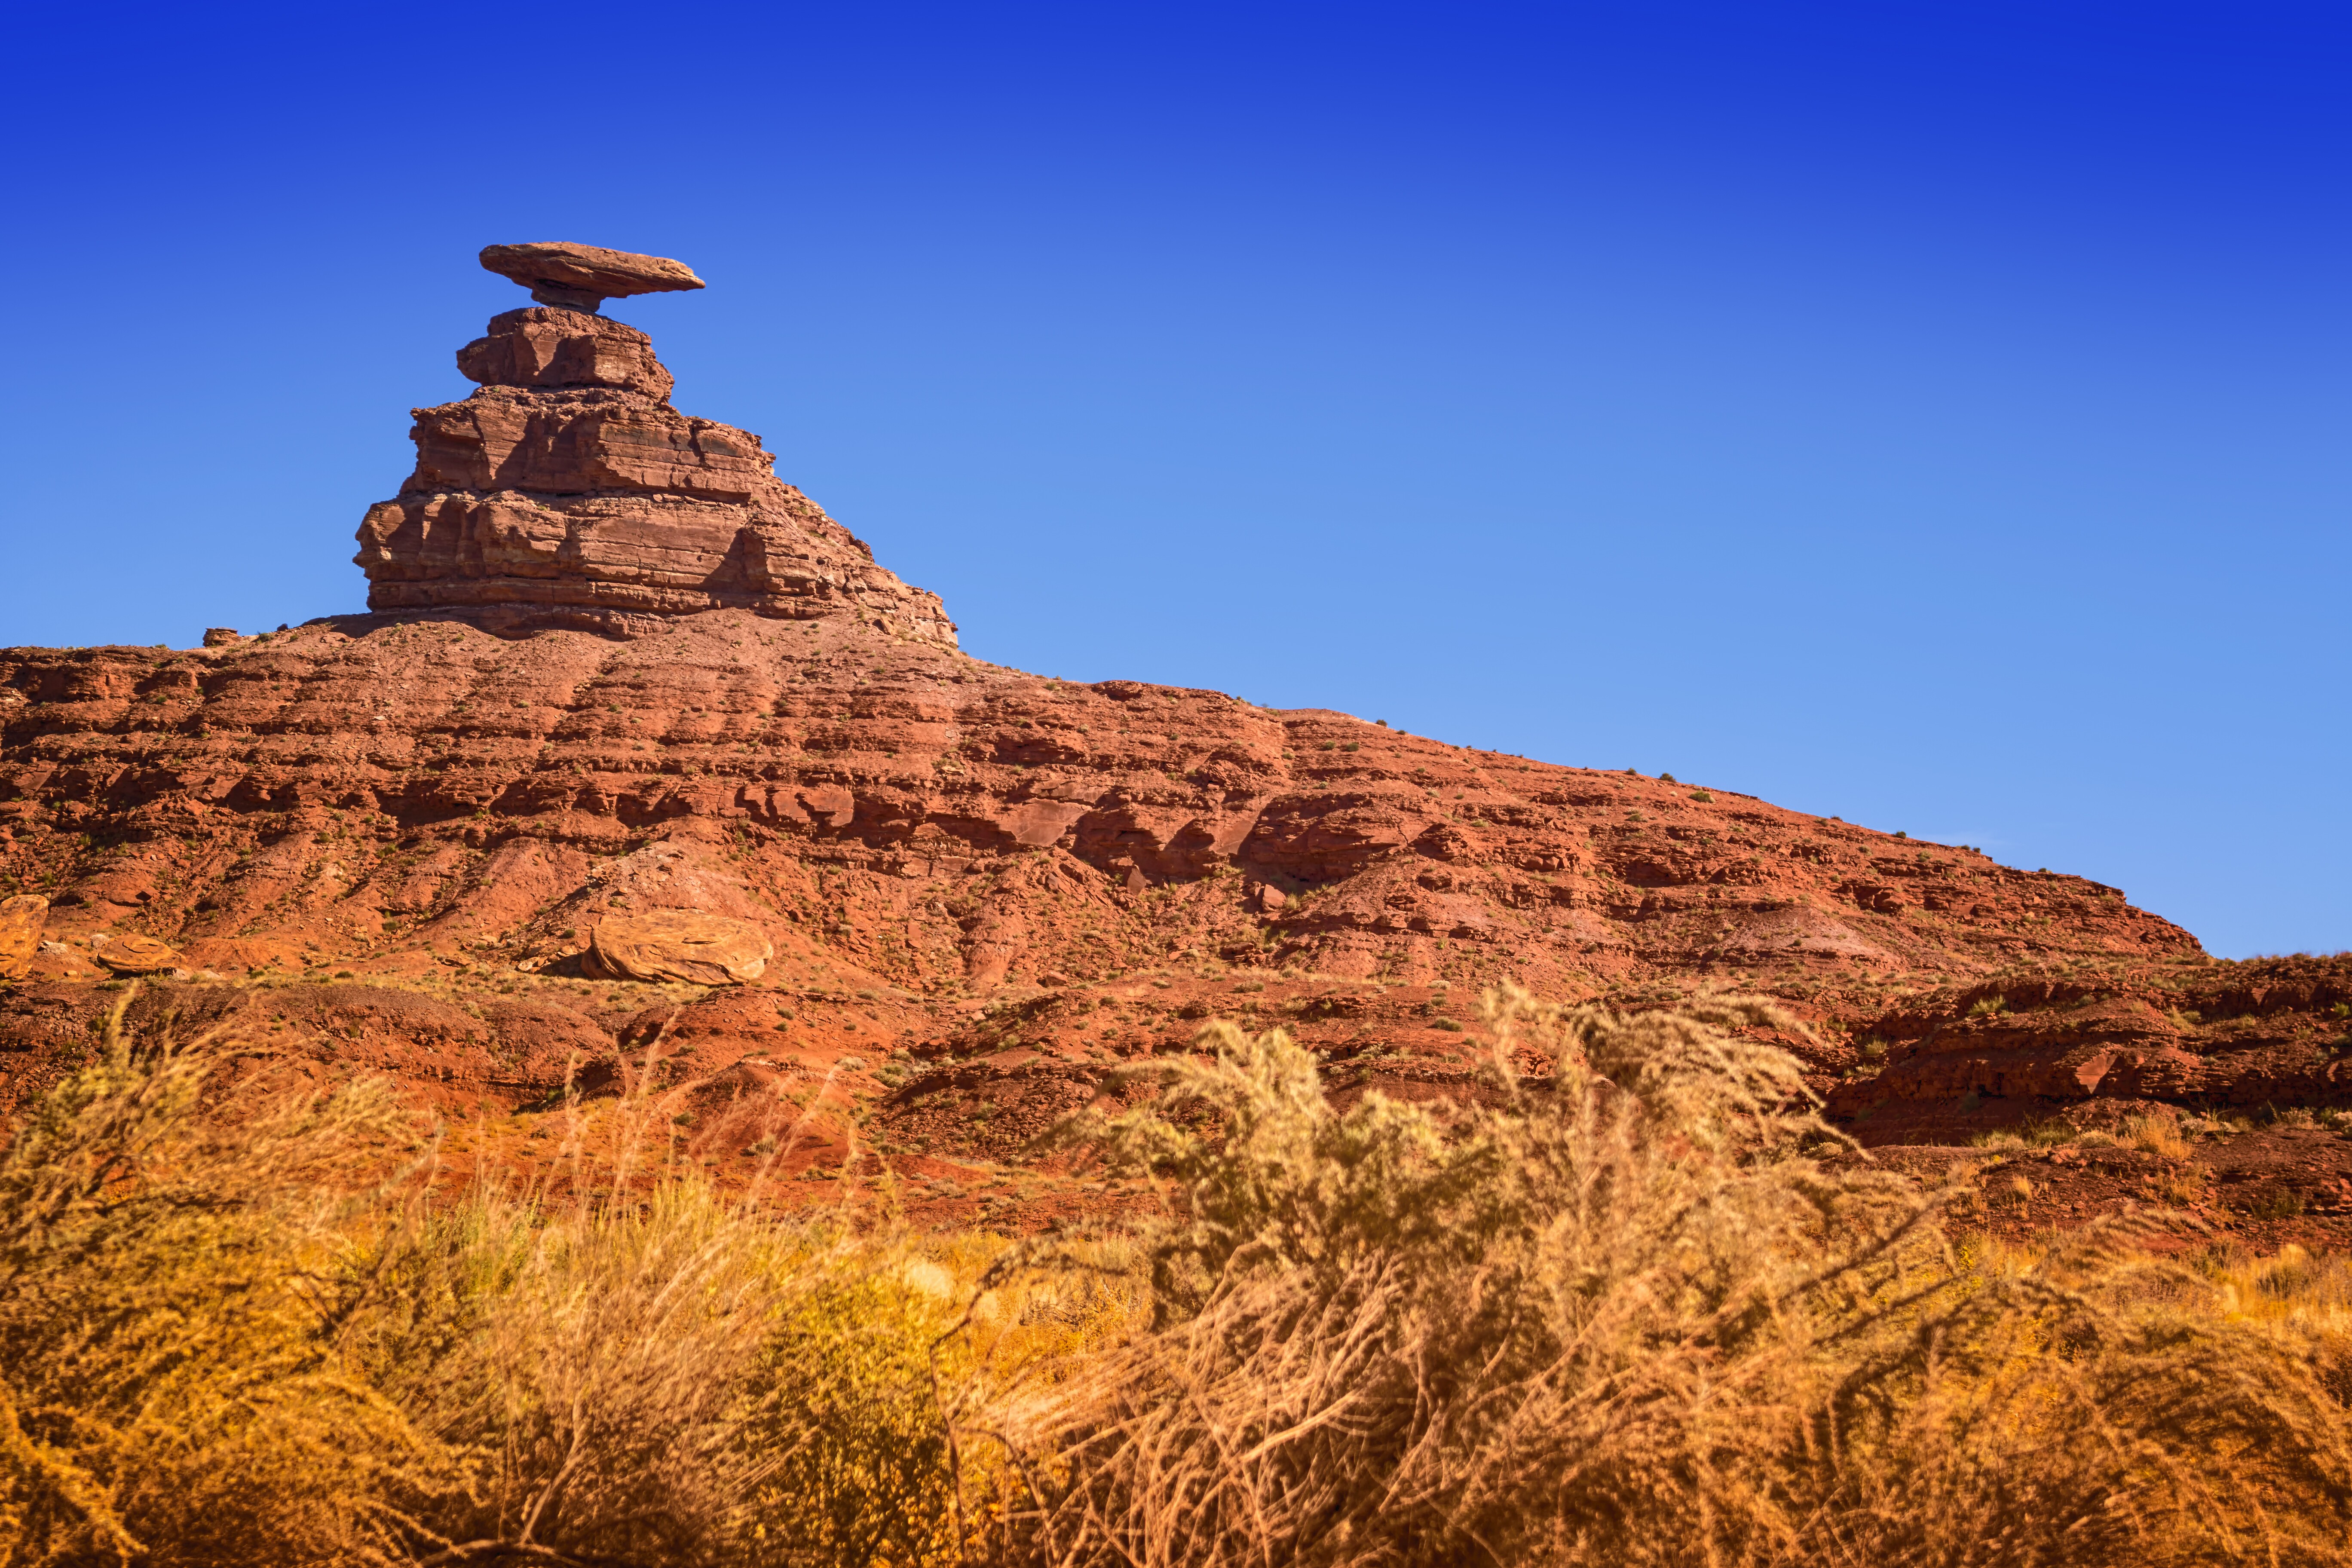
(1647, 1309)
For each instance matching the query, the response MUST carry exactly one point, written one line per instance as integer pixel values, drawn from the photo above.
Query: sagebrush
(1645, 1309)
(1650, 1311)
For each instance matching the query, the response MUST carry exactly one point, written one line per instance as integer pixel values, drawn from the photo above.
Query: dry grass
(2158, 1135)
(1636, 1314)
(1633, 1318)
(176, 1377)
(232, 1331)
(585, 1370)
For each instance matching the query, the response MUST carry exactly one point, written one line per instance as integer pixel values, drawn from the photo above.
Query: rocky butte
(567, 492)
(640, 770)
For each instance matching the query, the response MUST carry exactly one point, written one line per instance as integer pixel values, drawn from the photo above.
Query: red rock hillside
(613, 666)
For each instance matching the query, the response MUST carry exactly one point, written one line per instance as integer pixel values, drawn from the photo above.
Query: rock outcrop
(2095, 1044)
(374, 786)
(132, 953)
(680, 945)
(567, 492)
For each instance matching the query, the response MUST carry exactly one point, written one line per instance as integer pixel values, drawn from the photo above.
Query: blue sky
(1929, 413)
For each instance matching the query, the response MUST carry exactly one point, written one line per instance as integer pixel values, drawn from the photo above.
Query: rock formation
(582, 277)
(567, 492)
(132, 953)
(639, 759)
(676, 944)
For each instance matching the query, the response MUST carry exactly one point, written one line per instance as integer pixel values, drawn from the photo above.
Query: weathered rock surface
(378, 789)
(448, 1051)
(131, 952)
(542, 348)
(1033, 879)
(581, 276)
(679, 945)
(2098, 1045)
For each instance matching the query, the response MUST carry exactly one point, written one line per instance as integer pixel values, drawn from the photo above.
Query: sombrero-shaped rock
(582, 277)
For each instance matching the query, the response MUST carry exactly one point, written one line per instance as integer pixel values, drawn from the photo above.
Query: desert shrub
(588, 1367)
(2306, 1300)
(2037, 1135)
(232, 1332)
(679, 1379)
(856, 1464)
(2156, 1135)
(1635, 1315)
(891, 1343)
(176, 1377)
(1648, 1310)
(2277, 1200)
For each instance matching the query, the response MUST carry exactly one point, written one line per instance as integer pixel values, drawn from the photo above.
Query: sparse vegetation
(1635, 1320)
(2155, 1135)
(1634, 1313)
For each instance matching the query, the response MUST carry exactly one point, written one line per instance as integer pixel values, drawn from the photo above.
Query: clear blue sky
(1930, 413)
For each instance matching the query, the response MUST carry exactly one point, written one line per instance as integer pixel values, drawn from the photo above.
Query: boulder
(128, 953)
(20, 933)
(678, 945)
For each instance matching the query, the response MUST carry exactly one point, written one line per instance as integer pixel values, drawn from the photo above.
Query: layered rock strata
(1024, 881)
(567, 492)
(2097, 1044)
(369, 786)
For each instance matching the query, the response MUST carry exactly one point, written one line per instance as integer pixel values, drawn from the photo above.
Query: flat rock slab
(20, 933)
(558, 272)
(130, 954)
(678, 945)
